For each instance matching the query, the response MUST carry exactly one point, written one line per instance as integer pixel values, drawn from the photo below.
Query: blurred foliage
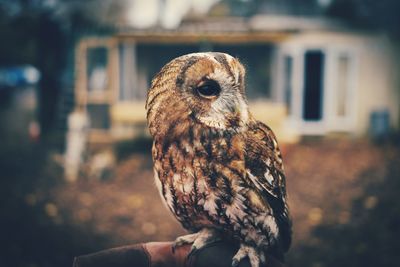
(369, 14)
(247, 8)
(383, 14)
(43, 33)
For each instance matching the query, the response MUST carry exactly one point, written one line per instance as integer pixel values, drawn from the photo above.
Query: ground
(324, 178)
(128, 208)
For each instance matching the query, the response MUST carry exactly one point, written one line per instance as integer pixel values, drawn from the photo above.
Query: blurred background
(75, 165)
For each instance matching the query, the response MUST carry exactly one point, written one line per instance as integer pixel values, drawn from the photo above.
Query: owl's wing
(264, 170)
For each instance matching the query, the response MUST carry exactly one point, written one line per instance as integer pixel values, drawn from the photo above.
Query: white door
(318, 86)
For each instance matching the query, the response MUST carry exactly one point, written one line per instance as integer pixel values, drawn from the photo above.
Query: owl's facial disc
(218, 92)
(226, 110)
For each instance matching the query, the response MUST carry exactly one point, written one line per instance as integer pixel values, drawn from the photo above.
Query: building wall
(377, 88)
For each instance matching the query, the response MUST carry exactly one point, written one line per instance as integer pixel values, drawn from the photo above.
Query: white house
(305, 76)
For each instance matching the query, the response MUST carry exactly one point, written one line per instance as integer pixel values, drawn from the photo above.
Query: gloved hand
(160, 254)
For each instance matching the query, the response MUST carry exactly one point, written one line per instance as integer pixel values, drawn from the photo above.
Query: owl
(218, 169)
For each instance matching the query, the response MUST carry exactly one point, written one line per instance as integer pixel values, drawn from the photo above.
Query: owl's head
(205, 87)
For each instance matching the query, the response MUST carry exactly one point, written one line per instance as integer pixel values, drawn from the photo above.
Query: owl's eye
(208, 89)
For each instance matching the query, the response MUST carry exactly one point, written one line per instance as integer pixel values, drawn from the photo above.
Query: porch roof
(257, 29)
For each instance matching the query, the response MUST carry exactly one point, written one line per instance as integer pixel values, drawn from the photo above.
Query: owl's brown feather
(214, 164)
(264, 160)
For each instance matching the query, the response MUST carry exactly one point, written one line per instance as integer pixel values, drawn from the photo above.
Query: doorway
(313, 85)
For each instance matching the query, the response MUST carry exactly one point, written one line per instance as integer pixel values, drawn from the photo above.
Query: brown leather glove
(160, 254)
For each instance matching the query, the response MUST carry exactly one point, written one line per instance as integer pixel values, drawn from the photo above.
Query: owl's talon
(183, 240)
(198, 240)
(255, 257)
(205, 237)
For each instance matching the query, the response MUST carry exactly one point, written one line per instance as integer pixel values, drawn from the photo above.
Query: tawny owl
(218, 169)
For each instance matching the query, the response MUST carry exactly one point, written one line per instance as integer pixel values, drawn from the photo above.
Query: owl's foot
(198, 240)
(255, 257)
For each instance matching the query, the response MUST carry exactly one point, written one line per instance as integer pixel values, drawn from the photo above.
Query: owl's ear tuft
(208, 89)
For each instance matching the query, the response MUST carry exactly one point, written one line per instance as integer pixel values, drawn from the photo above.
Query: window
(342, 85)
(97, 70)
(127, 72)
(318, 86)
(287, 80)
